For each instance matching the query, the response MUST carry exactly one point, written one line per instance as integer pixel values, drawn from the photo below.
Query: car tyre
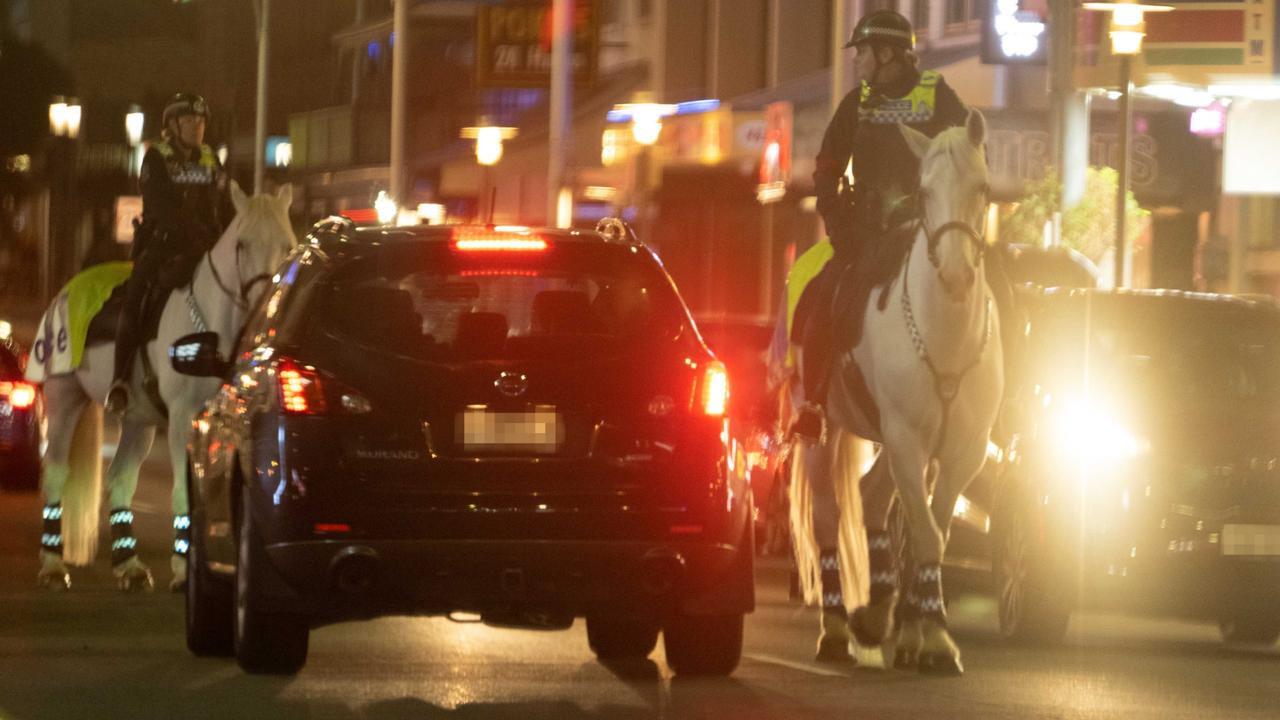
(1033, 606)
(269, 643)
(614, 639)
(703, 644)
(1243, 628)
(210, 599)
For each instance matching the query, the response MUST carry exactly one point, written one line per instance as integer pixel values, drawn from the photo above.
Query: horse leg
(180, 502)
(873, 622)
(122, 481)
(64, 402)
(923, 639)
(833, 642)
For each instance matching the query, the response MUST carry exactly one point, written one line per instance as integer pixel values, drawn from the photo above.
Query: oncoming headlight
(1091, 433)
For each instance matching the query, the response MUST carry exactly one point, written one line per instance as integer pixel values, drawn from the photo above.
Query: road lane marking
(802, 667)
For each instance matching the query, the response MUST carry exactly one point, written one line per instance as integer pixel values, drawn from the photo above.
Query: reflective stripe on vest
(915, 107)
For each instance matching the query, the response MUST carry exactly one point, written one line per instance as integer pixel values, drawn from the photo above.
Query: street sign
(513, 44)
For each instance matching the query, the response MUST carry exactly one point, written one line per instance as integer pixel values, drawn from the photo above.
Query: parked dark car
(21, 418)
(1140, 465)
(521, 425)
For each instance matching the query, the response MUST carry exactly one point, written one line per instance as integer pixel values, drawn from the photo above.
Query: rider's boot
(833, 643)
(117, 400)
(811, 417)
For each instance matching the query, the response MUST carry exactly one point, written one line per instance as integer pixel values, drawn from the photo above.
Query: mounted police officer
(186, 207)
(863, 136)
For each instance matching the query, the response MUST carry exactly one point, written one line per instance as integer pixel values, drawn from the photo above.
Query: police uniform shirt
(864, 133)
(184, 186)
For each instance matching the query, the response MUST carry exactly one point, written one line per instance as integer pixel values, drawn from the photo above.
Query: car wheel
(703, 644)
(1244, 628)
(614, 638)
(1032, 606)
(265, 642)
(210, 599)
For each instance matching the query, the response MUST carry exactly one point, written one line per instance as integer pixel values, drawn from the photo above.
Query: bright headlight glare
(1091, 433)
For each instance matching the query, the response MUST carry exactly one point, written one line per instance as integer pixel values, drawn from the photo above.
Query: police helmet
(185, 104)
(883, 27)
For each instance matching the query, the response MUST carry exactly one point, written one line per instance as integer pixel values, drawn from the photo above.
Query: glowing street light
(646, 119)
(64, 118)
(489, 139)
(133, 121)
(386, 208)
(1127, 31)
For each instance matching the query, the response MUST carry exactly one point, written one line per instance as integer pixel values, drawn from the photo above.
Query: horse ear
(977, 127)
(916, 140)
(285, 194)
(238, 198)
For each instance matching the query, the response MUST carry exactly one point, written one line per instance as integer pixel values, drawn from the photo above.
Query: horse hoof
(133, 576)
(178, 564)
(904, 660)
(55, 581)
(858, 625)
(833, 650)
(939, 664)
(178, 585)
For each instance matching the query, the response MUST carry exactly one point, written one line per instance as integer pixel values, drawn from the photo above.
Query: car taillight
(498, 239)
(713, 393)
(21, 395)
(303, 392)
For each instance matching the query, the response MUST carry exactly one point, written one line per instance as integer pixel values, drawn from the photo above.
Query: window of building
(920, 18)
(962, 16)
(870, 6)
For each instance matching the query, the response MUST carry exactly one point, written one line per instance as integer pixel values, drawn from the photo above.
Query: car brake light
(21, 395)
(497, 239)
(300, 390)
(715, 389)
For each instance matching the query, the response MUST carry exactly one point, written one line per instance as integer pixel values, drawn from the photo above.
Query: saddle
(103, 326)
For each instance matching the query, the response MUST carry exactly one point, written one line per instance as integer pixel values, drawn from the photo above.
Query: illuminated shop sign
(1015, 32)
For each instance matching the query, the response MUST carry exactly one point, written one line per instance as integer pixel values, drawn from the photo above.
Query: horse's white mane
(955, 144)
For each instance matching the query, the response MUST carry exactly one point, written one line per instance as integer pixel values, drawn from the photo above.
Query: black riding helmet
(184, 103)
(884, 27)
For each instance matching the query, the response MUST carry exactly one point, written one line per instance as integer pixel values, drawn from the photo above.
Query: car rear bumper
(334, 580)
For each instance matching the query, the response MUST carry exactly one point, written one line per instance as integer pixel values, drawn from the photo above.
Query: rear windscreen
(440, 305)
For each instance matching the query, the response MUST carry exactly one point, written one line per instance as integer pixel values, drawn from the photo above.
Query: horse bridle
(241, 299)
(934, 236)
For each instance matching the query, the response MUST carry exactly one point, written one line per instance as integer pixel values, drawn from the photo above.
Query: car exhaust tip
(354, 570)
(661, 571)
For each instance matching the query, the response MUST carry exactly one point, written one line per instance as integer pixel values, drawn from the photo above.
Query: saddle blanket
(60, 337)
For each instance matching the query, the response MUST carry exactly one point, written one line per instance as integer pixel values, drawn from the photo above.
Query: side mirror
(197, 355)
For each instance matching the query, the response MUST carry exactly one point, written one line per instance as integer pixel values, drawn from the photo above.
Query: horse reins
(241, 300)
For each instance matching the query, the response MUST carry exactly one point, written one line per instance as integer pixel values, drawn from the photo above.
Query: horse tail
(804, 543)
(850, 465)
(82, 495)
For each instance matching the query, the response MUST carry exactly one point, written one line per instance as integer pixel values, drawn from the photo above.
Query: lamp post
(1127, 31)
(646, 127)
(64, 126)
(489, 139)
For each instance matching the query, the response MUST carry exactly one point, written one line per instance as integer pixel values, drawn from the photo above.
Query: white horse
(931, 363)
(229, 280)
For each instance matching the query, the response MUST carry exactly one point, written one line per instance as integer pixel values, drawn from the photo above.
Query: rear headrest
(480, 334)
(384, 316)
(562, 311)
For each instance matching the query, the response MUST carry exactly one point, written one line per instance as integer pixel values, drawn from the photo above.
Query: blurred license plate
(540, 430)
(1251, 539)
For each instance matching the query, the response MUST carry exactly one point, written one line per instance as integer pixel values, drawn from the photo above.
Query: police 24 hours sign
(513, 43)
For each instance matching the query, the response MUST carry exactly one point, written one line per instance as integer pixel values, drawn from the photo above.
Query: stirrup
(117, 398)
(811, 423)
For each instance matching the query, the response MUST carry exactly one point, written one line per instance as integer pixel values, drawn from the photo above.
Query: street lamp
(646, 127)
(1127, 31)
(64, 118)
(133, 121)
(489, 139)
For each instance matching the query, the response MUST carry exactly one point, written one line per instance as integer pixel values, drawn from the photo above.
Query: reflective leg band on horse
(181, 534)
(123, 543)
(51, 532)
(883, 568)
(832, 594)
(928, 593)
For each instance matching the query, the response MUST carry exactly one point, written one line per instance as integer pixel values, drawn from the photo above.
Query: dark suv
(1140, 466)
(521, 425)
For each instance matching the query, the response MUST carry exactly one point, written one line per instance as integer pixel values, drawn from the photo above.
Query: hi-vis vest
(805, 269)
(915, 107)
(181, 172)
